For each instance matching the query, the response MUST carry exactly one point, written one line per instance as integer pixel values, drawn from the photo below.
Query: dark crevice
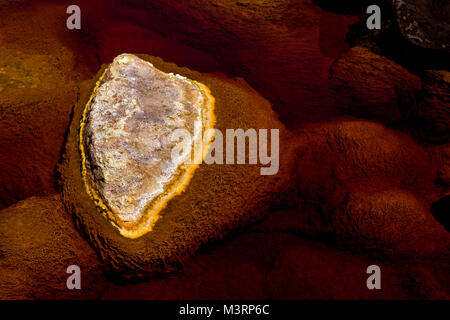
(441, 212)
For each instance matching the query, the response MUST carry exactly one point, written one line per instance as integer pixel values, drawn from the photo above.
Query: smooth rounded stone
(128, 136)
(425, 23)
(349, 157)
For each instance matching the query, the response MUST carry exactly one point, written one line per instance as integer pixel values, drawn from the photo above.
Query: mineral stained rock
(127, 140)
(425, 23)
(219, 198)
(431, 114)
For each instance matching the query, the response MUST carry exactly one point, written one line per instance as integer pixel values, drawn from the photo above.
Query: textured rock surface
(284, 49)
(425, 23)
(38, 242)
(218, 198)
(128, 139)
(371, 86)
(431, 114)
(373, 187)
(272, 259)
(441, 154)
(347, 155)
(36, 97)
(395, 222)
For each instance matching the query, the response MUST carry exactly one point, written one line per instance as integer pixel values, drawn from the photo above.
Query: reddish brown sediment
(360, 192)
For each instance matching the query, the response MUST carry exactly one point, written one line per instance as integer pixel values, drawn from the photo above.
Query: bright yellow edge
(151, 214)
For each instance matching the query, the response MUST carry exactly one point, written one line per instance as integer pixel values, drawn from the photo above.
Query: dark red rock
(430, 117)
(395, 222)
(350, 154)
(441, 211)
(386, 173)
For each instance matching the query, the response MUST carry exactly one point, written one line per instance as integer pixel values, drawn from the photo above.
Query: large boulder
(217, 199)
(395, 222)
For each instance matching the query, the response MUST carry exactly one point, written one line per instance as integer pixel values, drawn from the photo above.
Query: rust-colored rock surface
(371, 86)
(394, 222)
(350, 154)
(430, 116)
(425, 23)
(352, 193)
(368, 183)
